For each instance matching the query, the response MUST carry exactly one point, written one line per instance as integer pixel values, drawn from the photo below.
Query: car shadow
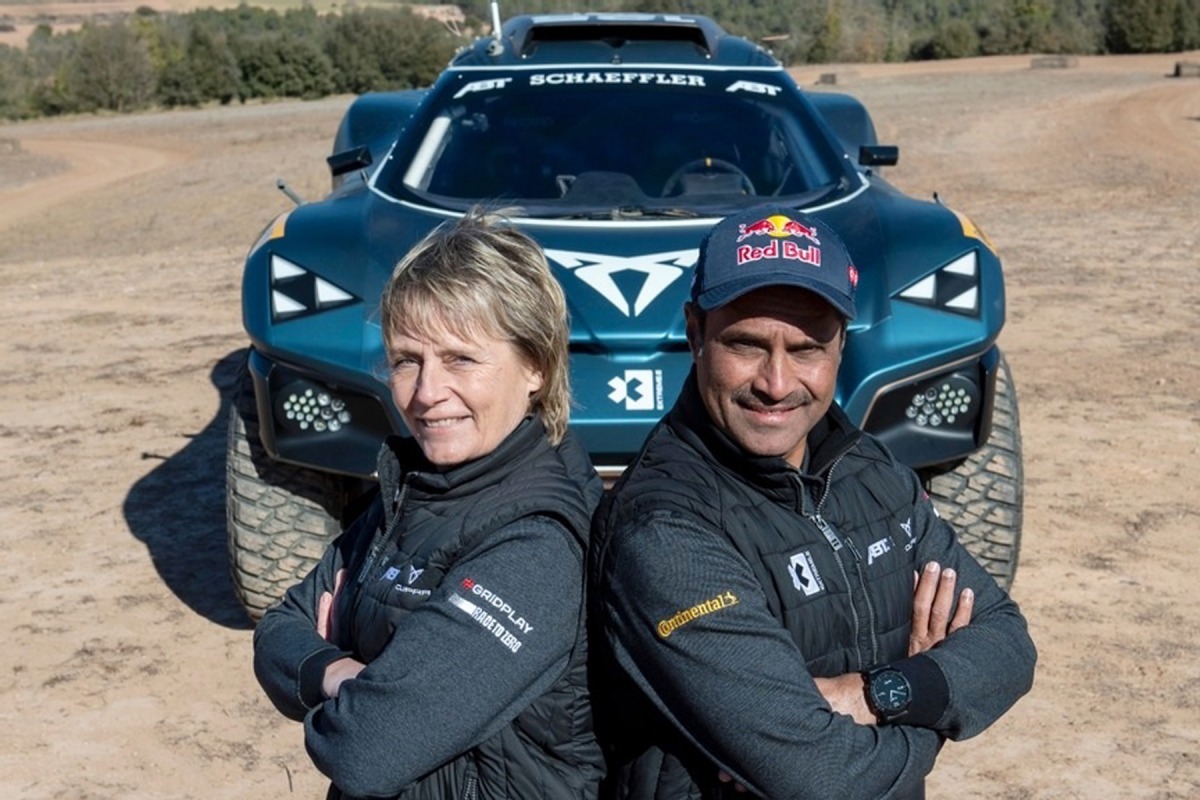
(178, 511)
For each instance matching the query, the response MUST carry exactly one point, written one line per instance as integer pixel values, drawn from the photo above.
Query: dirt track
(127, 666)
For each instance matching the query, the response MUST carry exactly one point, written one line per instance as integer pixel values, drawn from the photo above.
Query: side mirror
(878, 155)
(349, 161)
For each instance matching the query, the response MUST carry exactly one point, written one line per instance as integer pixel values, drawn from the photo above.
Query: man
(752, 573)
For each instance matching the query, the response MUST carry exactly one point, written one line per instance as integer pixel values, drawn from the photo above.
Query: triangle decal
(282, 269)
(328, 294)
(923, 290)
(283, 306)
(965, 301)
(962, 266)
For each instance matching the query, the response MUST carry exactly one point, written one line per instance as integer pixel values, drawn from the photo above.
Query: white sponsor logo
(495, 601)
(482, 86)
(489, 623)
(878, 549)
(597, 271)
(625, 78)
(413, 573)
(754, 87)
(906, 526)
(638, 390)
(805, 575)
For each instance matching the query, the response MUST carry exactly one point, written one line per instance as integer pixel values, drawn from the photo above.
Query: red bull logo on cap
(777, 226)
(782, 231)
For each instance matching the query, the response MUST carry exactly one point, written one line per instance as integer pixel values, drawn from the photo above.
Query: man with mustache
(776, 606)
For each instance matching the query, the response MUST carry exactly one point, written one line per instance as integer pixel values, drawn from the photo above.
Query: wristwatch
(888, 693)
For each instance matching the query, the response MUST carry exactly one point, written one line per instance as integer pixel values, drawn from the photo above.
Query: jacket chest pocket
(384, 598)
(811, 595)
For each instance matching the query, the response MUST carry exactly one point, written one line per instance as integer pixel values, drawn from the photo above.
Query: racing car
(616, 141)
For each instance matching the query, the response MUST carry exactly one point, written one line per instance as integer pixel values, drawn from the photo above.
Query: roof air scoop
(497, 46)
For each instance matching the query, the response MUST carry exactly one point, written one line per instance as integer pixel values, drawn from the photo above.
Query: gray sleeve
(989, 664)
(488, 642)
(289, 656)
(687, 620)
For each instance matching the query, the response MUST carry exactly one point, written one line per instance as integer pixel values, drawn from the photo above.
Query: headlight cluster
(945, 403)
(308, 408)
(320, 423)
(930, 420)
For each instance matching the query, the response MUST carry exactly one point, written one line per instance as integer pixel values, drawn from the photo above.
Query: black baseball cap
(773, 246)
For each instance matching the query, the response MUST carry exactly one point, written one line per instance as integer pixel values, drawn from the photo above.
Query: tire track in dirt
(92, 165)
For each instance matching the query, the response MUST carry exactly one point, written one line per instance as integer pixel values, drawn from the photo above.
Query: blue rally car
(616, 141)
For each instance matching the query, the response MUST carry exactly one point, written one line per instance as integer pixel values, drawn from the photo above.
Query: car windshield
(604, 143)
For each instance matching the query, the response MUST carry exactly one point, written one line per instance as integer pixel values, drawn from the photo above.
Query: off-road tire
(983, 496)
(279, 517)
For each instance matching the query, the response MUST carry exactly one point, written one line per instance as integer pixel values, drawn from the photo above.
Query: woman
(437, 650)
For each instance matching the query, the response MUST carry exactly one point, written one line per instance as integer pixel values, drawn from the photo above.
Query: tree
(956, 39)
(110, 69)
(373, 50)
(1139, 26)
(827, 40)
(1187, 25)
(285, 66)
(15, 84)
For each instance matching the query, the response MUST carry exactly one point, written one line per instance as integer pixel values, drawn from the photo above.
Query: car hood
(625, 280)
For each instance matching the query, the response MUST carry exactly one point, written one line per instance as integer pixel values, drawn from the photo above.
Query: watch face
(890, 691)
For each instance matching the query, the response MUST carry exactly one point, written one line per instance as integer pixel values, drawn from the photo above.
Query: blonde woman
(437, 650)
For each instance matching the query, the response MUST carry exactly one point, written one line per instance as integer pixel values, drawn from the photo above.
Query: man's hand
(933, 602)
(725, 777)
(934, 618)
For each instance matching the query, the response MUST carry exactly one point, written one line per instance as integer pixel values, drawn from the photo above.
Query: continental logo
(668, 626)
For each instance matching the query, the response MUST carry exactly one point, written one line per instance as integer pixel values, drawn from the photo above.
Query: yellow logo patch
(724, 600)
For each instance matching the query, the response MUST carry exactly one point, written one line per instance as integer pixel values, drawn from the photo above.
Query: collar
(401, 461)
(829, 440)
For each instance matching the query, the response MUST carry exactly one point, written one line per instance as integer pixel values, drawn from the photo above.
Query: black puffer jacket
(723, 583)
(463, 596)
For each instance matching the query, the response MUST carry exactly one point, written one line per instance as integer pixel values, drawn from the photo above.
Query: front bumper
(935, 418)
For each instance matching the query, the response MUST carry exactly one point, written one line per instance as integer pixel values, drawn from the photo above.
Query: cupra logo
(597, 271)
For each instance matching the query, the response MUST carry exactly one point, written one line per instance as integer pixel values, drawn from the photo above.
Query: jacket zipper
(385, 535)
(377, 544)
(835, 542)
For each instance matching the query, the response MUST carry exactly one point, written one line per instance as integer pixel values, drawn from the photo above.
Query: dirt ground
(127, 669)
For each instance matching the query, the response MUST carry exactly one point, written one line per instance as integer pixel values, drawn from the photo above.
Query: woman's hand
(325, 606)
(339, 672)
(343, 669)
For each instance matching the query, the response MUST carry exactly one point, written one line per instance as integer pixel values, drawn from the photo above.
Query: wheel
(709, 166)
(279, 517)
(983, 496)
